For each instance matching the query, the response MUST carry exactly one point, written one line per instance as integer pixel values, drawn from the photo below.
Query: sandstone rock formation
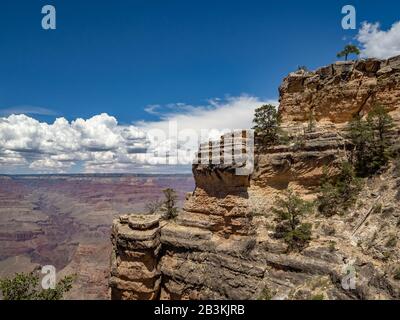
(222, 244)
(134, 261)
(339, 91)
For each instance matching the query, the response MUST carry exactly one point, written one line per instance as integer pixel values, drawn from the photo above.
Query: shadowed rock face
(222, 244)
(339, 91)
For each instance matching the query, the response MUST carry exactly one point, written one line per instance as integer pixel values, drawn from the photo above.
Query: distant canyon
(65, 221)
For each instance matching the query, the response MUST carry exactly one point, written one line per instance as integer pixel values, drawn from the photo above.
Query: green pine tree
(348, 49)
(267, 124)
(289, 211)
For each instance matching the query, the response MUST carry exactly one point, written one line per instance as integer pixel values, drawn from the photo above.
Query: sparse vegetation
(318, 297)
(267, 125)
(338, 194)
(25, 286)
(370, 153)
(370, 140)
(289, 212)
(348, 49)
(169, 206)
(392, 241)
(302, 68)
(266, 294)
(299, 142)
(284, 137)
(154, 206)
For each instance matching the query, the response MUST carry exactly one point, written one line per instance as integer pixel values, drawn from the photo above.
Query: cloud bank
(101, 144)
(377, 43)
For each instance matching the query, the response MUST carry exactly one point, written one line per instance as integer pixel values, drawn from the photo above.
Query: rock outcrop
(134, 261)
(299, 165)
(339, 91)
(222, 243)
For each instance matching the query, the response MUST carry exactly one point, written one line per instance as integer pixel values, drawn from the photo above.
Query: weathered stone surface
(212, 275)
(338, 92)
(222, 244)
(134, 260)
(138, 222)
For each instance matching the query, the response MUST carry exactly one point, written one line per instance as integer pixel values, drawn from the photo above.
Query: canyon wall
(222, 244)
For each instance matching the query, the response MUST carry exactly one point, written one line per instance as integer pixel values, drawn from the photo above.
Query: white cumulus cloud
(101, 144)
(377, 43)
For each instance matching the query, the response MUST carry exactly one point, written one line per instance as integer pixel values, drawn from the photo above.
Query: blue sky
(120, 57)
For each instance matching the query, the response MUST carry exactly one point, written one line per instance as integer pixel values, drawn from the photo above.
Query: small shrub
(299, 237)
(318, 297)
(169, 206)
(392, 241)
(337, 195)
(302, 68)
(266, 294)
(289, 211)
(283, 137)
(25, 286)
(299, 142)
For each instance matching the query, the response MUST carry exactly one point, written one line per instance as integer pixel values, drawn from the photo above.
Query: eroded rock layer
(134, 261)
(339, 91)
(222, 245)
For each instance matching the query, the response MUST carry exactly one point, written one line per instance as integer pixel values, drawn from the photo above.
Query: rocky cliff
(337, 92)
(222, 244)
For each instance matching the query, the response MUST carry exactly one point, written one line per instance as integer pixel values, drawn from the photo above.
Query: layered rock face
(204, 246)
(339, 91)
(134, 261)
(299, 165)
(222, 245)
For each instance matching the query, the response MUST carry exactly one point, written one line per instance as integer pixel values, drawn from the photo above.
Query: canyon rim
(220, 247)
